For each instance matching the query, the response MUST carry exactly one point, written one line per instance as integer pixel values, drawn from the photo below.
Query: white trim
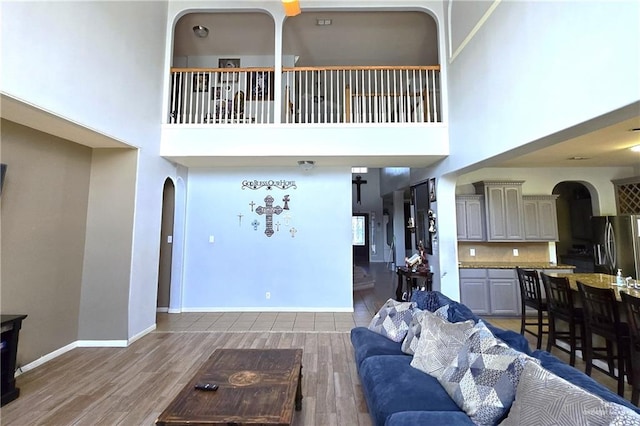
(141, 334)
(174, 311)
(45, 358)
(473, 32)
(165, 309)
(264, 309)
(102, 343)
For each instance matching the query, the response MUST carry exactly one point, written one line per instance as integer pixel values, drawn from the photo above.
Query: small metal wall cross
(293, 232)
(255, 224)
(268, 210)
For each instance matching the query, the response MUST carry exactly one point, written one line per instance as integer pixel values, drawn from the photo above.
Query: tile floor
(365, 304)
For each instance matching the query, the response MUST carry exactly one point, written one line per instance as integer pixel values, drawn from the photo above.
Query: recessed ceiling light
(201, 31)
(635, 148)
(578, 158)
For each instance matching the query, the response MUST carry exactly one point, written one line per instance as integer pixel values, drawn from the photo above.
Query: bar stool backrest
(559, 294)
(530, 289)
(600, 309)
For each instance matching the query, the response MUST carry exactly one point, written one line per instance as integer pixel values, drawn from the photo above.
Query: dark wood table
(256, 386)
(408, 280)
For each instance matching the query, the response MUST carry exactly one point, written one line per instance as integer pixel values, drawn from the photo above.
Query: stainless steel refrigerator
(616, 244)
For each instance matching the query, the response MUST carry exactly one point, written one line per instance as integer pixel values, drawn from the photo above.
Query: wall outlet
(268, 295)
(472, 252)
(515, 252)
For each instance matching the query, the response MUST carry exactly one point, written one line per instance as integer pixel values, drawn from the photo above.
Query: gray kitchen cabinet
(473, 290)
(540, 217)
(470, 217)
(490, 291)
(503, 208)
(504, 292)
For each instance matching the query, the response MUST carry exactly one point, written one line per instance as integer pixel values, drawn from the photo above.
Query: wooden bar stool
(602, 318)
(561, 307)
(632, 305)
(531, 296)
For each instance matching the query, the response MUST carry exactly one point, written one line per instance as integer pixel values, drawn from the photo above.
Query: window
(357, 230)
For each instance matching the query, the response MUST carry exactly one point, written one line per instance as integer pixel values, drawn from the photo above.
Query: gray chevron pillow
(544, 399)
(440, 341)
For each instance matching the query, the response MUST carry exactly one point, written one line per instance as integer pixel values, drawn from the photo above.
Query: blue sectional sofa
(399, 394)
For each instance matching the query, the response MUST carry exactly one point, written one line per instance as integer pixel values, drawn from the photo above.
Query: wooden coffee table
(255, 386)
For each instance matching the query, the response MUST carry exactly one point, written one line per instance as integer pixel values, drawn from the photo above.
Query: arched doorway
(166, 246)
(575, 241)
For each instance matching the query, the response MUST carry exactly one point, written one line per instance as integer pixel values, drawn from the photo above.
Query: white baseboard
(165, 309)
(142, 334)
(46, 358)
(265, 309)
(102, 343)
(174, 310)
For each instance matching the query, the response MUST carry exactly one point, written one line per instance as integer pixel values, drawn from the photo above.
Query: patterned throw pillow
(410, 342)
(440, 341)
(393, 319)
(544, 399)
(426, 300)
(483, 377)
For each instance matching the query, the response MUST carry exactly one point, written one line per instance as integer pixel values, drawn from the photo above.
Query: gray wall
(43, 220)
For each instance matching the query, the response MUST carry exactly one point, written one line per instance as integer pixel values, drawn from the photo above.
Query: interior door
(360, 237)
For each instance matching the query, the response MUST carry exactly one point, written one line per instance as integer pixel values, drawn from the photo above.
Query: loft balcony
(348, 95)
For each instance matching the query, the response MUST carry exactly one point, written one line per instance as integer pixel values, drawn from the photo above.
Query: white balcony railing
(316, 95)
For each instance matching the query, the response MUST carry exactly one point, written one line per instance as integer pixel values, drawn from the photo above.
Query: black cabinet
(10, 328)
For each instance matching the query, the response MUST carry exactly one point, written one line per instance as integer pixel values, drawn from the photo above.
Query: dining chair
(632, 305)
(562, 307)
(602, 318)
(531, 296)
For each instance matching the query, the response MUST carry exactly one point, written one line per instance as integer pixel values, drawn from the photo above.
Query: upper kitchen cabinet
(470, 217)
(503, 208)
(540, 217)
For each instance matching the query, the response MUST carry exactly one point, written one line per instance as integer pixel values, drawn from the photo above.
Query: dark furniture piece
(256, 386)
(561, 307)
(632, 305)
(602, 318)
(10, 327)
(531, 296)
(408, 280)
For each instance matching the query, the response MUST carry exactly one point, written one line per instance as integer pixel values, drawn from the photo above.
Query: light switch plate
(515, 252)
(472, 252)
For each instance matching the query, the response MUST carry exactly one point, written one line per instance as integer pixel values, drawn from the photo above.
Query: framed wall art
(432, 190)
(228, 64)
(200, 82)
(261, 85)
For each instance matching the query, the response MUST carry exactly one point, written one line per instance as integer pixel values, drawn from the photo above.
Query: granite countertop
(512, 265)
(599, 281)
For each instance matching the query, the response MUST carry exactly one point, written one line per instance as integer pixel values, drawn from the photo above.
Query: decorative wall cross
(240, 219)
(255, 224)
(286, 200)
(358, 181)
(268, 210)
(252, 204)
(293, 232)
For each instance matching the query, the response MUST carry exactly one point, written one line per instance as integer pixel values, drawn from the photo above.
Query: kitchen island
(599, 281)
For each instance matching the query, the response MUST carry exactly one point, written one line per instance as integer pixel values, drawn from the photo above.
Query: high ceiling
(386, 38)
